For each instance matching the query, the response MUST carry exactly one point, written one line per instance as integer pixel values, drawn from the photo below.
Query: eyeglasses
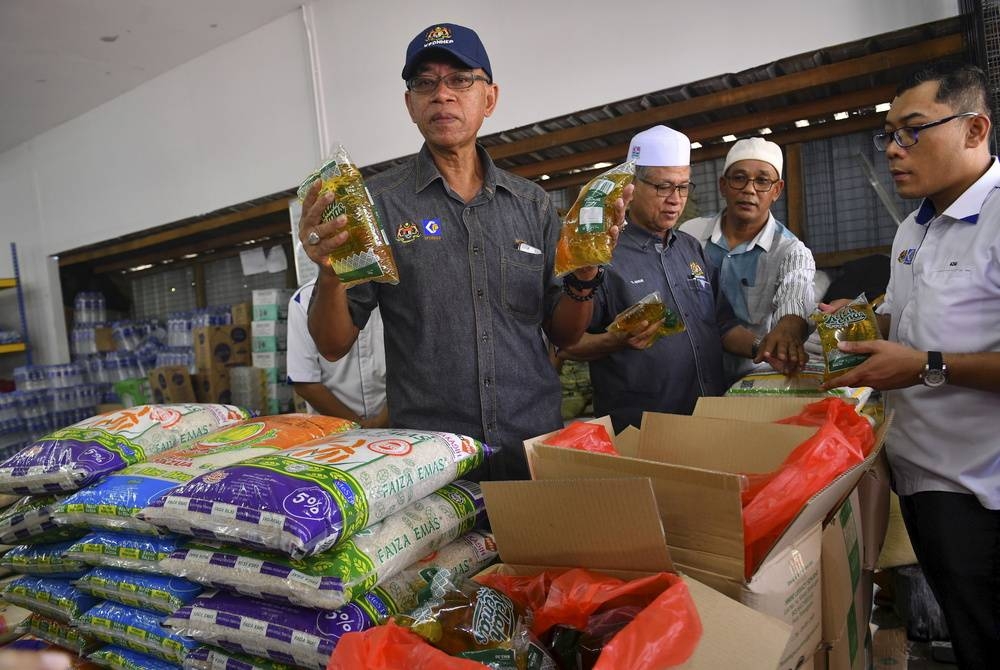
(456, 81)
(760, 184)
(907, 136)
(666, 190)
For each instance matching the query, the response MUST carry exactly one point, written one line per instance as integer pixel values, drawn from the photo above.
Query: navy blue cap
(461, 42)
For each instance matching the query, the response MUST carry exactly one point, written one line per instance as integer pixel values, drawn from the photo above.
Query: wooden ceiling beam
(926, 51)
(168, 235)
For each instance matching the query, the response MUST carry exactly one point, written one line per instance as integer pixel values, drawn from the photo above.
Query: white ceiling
(62, 58)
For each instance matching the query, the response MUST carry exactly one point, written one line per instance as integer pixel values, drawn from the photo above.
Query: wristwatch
(935, 371)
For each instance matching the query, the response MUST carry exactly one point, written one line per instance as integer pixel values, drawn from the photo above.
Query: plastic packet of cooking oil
(584, 239)
(649, 309)
(366, 255)
(854, 322)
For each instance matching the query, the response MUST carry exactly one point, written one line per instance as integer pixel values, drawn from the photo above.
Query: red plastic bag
(665, 633)
(585, 437)
(843, 440)
(391, 647)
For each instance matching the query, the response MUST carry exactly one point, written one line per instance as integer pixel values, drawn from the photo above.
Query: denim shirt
(465, 349)
(670, 375)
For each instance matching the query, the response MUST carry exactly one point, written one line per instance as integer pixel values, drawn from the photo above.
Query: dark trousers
(957, 542)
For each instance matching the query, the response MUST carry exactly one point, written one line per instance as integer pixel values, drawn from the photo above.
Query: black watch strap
(935, 360)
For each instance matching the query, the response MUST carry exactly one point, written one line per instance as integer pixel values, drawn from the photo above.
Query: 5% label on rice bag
(854, 322)
(642, 314)
(585, 238)
(366, 255)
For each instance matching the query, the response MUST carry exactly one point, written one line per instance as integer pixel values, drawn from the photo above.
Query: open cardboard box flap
(613, 526)
(694, 461)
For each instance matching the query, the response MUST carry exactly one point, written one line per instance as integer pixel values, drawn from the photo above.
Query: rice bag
(307, 637)
(113, 502)
(29, 521)
(307, 499)
(584, 238)
(60, 634)
(120, 658)
(119, 550)
(55, 598)
(854, 322)
(13, 621)
(156, 593)
(134, 629)
(649, 309)
(72, 457)
(331, 579)
(367, 254)
(43, 559)
(207, 657)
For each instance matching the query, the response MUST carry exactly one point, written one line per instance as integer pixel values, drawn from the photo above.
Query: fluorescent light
(883, 106)
(137, 268)
(696, 145)
(840, 116)
(765, 131)
(544, 177)
(729, 138)
(802, 123)
(603, 164)
(186, 256)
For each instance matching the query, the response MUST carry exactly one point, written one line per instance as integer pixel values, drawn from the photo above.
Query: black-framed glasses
(667, 189)
(907, 136)
(456, 81)
(760, 184)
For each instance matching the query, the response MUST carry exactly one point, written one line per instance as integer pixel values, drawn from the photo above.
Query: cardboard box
(694, 463)
(271, 304)
(277, 360)
(212, 385)
(221, 345)
(170, 384)
(612, 526)
(847, 590)
(104, 339)
(277, 329)
(242, 312)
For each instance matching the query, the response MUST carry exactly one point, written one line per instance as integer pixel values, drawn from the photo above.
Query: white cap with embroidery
(755, 149)
(660, 147)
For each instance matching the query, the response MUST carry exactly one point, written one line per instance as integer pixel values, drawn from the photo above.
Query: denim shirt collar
(426, 172)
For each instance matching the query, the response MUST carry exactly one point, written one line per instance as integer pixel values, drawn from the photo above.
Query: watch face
(934, 377)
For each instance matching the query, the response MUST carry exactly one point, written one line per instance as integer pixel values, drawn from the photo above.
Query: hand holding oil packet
(585, 238)
(648, 310)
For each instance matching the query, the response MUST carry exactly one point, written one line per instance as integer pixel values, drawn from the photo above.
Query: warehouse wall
(242, 121)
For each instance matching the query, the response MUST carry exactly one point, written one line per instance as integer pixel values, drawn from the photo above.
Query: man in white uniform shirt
(352, 387)
(942, 357)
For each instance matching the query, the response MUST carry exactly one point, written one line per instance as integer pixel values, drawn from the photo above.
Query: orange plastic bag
(391, 647)
(664, 634)
(770, 503)
(585, 437)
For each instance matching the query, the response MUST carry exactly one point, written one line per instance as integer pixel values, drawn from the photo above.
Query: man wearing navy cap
(466, 327)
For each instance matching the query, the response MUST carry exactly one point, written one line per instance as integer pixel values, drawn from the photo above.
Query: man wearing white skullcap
(633, 373)
(767, 273)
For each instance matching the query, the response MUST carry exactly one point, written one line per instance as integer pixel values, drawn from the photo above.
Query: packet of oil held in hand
(649, 309)
(854, 322)
(584, 239)
(366, 255)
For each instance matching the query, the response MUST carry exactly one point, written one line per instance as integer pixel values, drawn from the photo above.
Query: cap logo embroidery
(437, 35)
(407, 232)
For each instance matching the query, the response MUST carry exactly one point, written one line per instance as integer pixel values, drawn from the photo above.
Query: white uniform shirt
(944, 295)
(357, 379)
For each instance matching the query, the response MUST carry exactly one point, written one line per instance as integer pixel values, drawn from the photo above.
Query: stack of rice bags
(48, 471)
(304, 545)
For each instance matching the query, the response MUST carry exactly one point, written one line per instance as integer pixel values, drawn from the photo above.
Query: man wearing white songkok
(636, 373)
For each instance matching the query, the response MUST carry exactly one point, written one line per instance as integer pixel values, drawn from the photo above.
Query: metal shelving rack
(15, 283)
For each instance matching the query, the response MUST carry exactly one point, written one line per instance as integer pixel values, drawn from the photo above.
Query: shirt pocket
(701, 298)
(522, 285)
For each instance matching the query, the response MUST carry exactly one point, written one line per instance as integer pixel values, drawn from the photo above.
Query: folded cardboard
(696, 464)
(612, 526)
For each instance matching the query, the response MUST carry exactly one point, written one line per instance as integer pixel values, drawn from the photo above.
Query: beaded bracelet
(579, 298)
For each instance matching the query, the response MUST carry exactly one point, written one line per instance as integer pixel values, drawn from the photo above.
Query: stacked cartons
(612, 527)
(216, 349)
(697, 466)
(270, 338)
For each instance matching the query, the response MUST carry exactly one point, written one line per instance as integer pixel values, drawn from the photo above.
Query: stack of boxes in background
(270, 341)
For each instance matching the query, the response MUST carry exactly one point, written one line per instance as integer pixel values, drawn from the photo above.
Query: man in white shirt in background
(766, 273)
(352, 387)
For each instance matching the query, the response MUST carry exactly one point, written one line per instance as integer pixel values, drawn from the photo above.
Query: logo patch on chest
(696, 271)
(906, 256)
(432, 228)
(407, 232)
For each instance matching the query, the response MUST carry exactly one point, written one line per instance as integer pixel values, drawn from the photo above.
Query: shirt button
(479, 292)
(486, 337)
(487, 381)
(475, 249)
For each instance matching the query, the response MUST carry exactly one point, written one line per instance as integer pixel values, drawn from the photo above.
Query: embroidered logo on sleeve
(407, 232)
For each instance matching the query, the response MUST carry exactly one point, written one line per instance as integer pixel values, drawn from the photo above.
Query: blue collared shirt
(670, 375)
